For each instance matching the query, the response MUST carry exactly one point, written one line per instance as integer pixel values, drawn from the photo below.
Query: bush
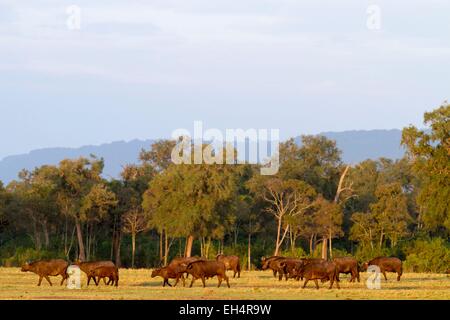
(428, 256)
(23, 255)
(297, 253)
(364, 254)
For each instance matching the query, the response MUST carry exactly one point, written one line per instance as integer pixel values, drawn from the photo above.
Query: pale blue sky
(140, 69)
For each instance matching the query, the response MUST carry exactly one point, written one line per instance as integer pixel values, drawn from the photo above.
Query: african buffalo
(273, 263)
(231, 263)
(102, 272)
(46, 268)
(324, 271)
(86, 267)
(390, 264)
(207, 269)
(347, 265)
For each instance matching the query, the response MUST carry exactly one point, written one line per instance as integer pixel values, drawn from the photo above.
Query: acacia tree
(429, 152)
(192, 201)
(286, 199)
(77, 198)
(390, 213)
(134, 223)
(328, 218)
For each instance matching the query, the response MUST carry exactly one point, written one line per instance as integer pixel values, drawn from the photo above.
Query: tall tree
(430, 153)
(286, 199)
(192, 201)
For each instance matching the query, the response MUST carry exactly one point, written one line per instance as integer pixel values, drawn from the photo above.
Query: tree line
(315, 206)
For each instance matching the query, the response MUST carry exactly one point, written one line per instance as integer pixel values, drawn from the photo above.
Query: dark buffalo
(274, 264)
(301, 263)
(324, 271)
(289, 267)
(386, 264)
(347, 265)
(103, 272)
(46, 268)
(231, 263)
(207, 269)
(86, 267)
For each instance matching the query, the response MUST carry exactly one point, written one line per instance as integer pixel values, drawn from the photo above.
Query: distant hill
(116, 154)
(355, 145)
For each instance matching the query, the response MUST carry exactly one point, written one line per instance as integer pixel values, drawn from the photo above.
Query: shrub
(425, 255)
(22, 255)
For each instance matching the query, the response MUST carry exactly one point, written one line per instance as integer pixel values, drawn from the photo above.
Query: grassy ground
(137, 284)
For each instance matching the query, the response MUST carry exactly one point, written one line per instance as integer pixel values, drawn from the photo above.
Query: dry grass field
(137, 284)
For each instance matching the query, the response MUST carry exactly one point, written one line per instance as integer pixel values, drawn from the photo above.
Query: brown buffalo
(289, 267)
(86, 267)
(231, 263)
(170, 272)
(301, 263)
(103, 272)
(204, 269)
(273, 263)
(46, 268)
(324, 271)
(347, 265)
(391, 264)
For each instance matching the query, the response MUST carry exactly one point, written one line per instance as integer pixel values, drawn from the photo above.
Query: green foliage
(23, 255)
(430, 255)
(430, 154)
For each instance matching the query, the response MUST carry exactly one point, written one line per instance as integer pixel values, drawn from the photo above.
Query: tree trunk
(161, 255)
(81, 251)
(324, 248)
(189, 243)
(331, 246)
(249, 261)
(117, 249)
(311, 248)
(46, 235)
(277, 244)
(166, 248)
(133, 248)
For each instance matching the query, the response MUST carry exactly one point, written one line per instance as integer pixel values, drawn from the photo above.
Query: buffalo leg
(384, 274)
(398, 276)
(317, 283)
(306, 281)
(204, 282)
(219, 278)
(192, 282)
(48, 280)
(40, 281)
(64, 277)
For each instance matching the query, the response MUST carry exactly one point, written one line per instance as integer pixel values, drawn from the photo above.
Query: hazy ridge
(355, 145)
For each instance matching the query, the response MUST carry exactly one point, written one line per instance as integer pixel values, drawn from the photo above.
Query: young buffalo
(86, 267)
(170, 272)
(46, 268)
(231, 263)
(103, 272)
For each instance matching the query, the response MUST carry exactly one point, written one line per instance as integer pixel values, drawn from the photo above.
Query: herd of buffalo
(200, 268)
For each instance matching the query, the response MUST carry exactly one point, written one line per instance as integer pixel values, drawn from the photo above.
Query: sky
(142, 69)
